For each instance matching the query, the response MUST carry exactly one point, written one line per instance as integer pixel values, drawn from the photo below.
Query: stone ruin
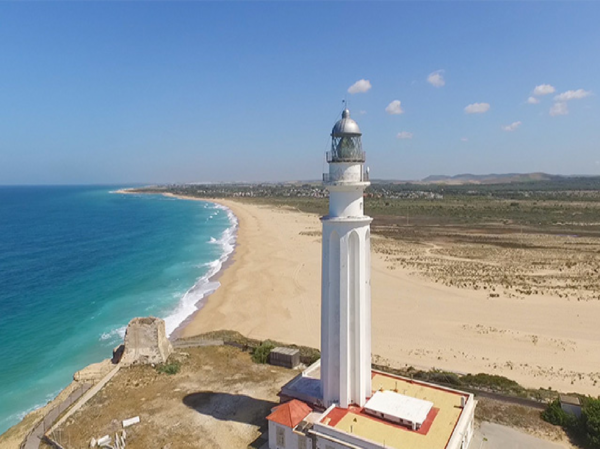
(146, 342)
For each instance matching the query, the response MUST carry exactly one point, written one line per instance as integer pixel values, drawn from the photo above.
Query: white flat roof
(399, 406)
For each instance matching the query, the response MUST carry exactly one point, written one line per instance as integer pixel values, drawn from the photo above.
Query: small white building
(284, 422)
(423, 416)
(399, 408)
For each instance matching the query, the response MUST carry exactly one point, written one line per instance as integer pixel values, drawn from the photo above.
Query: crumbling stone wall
(146, 342)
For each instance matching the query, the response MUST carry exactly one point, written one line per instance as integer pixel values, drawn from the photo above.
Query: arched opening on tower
(333, 362)
(354, 316)
(366, 326)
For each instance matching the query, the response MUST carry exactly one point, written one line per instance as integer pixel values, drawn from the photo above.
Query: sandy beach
(272, 290)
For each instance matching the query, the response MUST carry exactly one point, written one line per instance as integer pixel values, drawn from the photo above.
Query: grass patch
(169, 368)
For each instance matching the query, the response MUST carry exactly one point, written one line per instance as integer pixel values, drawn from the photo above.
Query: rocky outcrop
(118, 353)
(94, 372)
(146, 342)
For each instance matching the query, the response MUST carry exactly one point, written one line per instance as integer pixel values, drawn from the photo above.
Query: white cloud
(362, 112)
(405, 135)
(436, 79)
(394, 108)
(464, 139)
(512, 126)
(477, 108)
(543, 89)
(559, 109)
(533, 100)
(572, 95)
(361, 86)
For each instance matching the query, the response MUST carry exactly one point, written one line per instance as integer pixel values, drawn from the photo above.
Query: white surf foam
(115, 334)
(204, 286)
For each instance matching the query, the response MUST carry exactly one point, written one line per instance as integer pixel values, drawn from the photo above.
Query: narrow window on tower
(280, 437)
(301, 442)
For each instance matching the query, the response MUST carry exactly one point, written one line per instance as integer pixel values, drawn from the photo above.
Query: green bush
(586, 429)
(260, 354)
(169, 368)
(443, 377)
(492, 382)
(309, 356)
(589, 423)
(554, 414)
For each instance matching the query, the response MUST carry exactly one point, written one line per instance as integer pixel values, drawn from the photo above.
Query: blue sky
(195, 91)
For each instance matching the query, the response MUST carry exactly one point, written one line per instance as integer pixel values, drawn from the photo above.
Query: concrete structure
(146, 342)
(346, 274)
(286, 357)
(339, 401)
(570, 404)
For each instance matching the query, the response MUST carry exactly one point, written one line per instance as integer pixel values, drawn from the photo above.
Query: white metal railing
(332, 156)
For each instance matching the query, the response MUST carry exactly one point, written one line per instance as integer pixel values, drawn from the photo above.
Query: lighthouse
(332, 403)
(346, 272)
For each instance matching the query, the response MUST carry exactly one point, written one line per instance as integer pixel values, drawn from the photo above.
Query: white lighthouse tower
(346, 272)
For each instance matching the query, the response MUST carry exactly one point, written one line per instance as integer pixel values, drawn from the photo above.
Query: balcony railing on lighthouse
(335, 156)
(364, 177)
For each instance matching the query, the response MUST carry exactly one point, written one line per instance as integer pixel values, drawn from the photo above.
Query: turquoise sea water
(77, 263)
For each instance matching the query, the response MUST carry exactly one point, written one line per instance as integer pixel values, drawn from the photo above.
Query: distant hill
(506, 178)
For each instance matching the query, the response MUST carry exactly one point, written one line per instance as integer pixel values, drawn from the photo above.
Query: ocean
(78, 263)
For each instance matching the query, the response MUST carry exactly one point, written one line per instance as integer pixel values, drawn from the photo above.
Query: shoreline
(225, 263)
(214, 278)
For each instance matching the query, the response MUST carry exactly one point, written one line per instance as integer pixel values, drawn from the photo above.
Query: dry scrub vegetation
(512, 265)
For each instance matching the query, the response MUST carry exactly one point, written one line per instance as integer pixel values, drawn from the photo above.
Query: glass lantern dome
(346, 144)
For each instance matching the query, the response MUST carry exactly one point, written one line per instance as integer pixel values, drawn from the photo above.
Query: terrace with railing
(354, 156)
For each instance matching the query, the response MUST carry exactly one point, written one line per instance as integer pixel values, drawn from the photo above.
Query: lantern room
(346, 144)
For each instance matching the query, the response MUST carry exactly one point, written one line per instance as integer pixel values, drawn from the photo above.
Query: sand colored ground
(272, 290)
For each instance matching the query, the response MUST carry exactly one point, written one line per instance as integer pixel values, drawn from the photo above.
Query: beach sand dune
(272, 290)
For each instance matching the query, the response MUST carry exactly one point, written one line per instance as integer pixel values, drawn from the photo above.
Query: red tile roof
(290, 414)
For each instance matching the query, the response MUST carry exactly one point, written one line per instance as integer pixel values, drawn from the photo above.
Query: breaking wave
(203, 287)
